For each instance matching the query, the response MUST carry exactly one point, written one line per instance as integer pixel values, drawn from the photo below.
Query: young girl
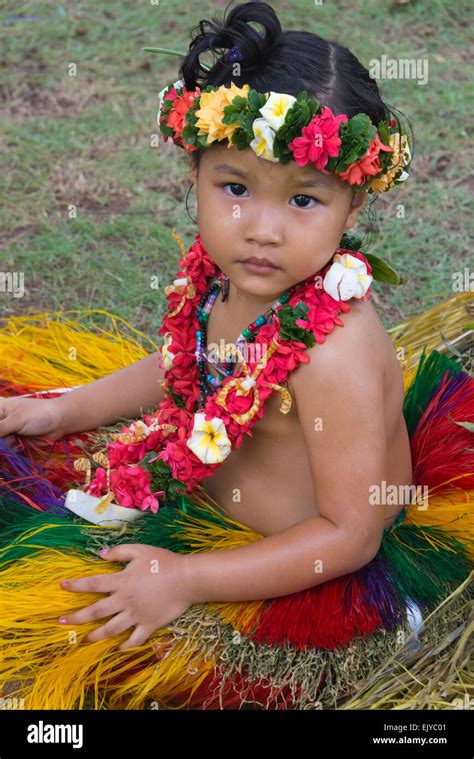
(265, 491)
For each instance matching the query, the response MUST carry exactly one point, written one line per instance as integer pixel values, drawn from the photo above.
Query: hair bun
(234, 31)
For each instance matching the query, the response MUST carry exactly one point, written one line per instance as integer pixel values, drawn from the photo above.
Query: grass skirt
(306, 650)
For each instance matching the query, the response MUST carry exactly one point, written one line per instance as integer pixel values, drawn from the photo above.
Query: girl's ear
(357, 204)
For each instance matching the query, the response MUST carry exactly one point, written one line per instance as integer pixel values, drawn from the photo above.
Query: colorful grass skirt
(306, 650)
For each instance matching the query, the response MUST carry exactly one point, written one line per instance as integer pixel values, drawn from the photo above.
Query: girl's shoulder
(358, 350)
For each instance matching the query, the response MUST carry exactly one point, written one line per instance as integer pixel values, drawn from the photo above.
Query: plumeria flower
(209, 439)
(273, 116)
(262, 144)
(347, 278)
(275, 109)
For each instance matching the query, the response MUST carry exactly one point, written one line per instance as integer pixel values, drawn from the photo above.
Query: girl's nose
(264, 227)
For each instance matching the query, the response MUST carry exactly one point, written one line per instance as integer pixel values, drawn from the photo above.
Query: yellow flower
(400, 157)
(211, 112)
(209, 440)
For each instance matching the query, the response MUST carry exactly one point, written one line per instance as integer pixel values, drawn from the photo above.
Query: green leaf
(383, 272)
(161, 474)
(176, 398)
(255, 100)
(351, 242)
(356, 135)
(167, 51)
(289, 330)
(162, 50)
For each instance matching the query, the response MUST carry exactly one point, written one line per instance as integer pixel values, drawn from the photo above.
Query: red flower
(175, 120)
(319, 140)
(98, 485)
(368, 166)
(131, 487)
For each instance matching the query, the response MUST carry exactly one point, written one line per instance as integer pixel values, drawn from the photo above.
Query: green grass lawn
(85, 140)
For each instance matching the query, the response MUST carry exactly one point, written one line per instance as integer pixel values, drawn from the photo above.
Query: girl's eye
(308, 197)
(233, 184)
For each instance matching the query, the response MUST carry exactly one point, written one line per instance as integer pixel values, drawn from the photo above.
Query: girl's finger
(137, 638)
(122, 552)
(93, 584)
(104, 608)
(113, 627)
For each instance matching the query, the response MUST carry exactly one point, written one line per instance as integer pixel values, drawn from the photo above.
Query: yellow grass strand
(445, 321)
(60, 349)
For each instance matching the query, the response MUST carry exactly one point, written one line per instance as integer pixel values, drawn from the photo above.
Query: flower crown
(281, 127)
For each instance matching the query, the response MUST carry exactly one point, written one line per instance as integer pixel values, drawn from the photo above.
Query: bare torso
(272, 469)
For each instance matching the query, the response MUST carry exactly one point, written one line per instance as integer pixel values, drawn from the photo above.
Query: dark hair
(281, 61)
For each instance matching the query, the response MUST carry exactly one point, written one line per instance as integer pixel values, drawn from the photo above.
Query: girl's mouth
(252, 265)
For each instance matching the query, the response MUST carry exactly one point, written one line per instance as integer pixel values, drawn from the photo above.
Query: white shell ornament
(101, 511)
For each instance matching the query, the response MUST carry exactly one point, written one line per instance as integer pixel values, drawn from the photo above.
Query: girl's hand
(151, 592)
(30, 416)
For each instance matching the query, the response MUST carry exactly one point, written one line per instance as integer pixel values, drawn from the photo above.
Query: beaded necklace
(207, 382)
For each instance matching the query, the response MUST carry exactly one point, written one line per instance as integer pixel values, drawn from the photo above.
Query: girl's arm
(342, 386)
(126, 393)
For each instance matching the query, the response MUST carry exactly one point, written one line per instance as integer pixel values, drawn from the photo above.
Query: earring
(225, 287)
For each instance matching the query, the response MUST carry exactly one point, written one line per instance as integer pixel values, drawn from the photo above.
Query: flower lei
(171, 450)
(280, 127)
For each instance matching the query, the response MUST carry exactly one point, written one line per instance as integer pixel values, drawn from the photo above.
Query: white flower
(347, 278)
(273, 115)
(168, 357)
(262, 144)
(275, 109)
(209, 439)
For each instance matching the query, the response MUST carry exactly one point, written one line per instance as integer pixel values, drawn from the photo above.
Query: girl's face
(292, 215)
